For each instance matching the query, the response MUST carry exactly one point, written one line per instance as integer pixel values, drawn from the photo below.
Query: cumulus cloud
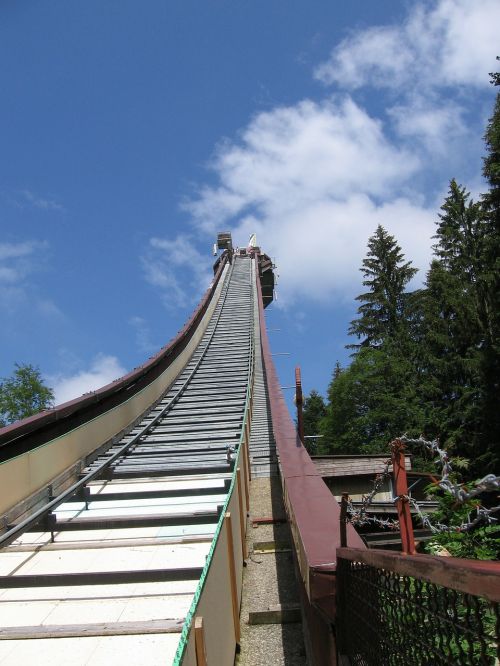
(313, 181)
(443, 43)
(293, 156)
(102, 370)
(437, 127)
(315, 178)
(429, 64)
(176, 268)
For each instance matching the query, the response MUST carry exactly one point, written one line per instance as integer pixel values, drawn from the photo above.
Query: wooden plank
(481, 578)
(277, 614)
(242, 515)
(232, 578)
(199, 638)
(173, 626)
(264, 547)
(267, 520)
(100, 578)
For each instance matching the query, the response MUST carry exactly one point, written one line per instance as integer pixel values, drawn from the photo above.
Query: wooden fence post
(243, 517)
(199, 641)
(232, 578)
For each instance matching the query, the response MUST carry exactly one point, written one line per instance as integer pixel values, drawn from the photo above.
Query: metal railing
(399, 610)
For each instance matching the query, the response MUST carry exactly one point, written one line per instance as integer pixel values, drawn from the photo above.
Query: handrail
(395, 608)
(481, 578)
(313, 514)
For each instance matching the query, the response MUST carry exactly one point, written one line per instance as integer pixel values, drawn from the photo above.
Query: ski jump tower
(125, 511)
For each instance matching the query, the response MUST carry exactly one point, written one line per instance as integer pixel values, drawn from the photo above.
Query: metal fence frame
(397, 609)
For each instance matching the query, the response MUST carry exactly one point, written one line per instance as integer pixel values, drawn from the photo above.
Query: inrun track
(153, 499)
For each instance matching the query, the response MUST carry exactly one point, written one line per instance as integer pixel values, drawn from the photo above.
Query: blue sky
(132, 132)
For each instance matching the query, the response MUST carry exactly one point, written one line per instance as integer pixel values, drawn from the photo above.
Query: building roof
(331, 466)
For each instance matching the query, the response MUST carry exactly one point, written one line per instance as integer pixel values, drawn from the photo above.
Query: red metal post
(299, 403)
(401, 491)
(343, 520)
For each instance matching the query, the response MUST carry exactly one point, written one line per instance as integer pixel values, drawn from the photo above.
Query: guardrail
(396, 609)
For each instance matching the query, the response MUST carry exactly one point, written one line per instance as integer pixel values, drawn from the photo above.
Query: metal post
(343, 520)
(401, 491)
(299, 403)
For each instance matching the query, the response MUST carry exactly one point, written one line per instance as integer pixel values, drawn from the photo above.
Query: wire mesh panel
(386, 618)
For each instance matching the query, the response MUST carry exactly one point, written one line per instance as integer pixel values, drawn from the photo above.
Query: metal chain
(460, 492)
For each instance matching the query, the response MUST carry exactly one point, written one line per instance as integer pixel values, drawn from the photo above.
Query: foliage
(313, 409)
(481, 543)
(374, 399)
(23, 394)
(450, 329)
(428, 361)
(382, 309)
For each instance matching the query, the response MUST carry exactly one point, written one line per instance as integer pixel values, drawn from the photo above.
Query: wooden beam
(199, 640)
(92, 629)
(242, 515)
(232, 577)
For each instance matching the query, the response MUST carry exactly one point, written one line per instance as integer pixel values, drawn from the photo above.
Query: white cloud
(17, 250)
(431, 65)
(437, 127)
(446, 42)
(320, 247)
(103, 370)
(176, 268)
(47, 308)
(313, 181)
(296, 155)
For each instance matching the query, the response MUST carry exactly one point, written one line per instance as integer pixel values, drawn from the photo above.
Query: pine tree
(382, 312)
(457, 332)
(374, 400)
(448, 385)
(314, 409)
(490, 285)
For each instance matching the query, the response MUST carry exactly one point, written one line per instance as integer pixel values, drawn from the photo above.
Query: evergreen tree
(448, 385)
(370, 403)
(490, 285)
(458, 339)
(374, 400)
(382, 309)
(23, 394)
(314, 409)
